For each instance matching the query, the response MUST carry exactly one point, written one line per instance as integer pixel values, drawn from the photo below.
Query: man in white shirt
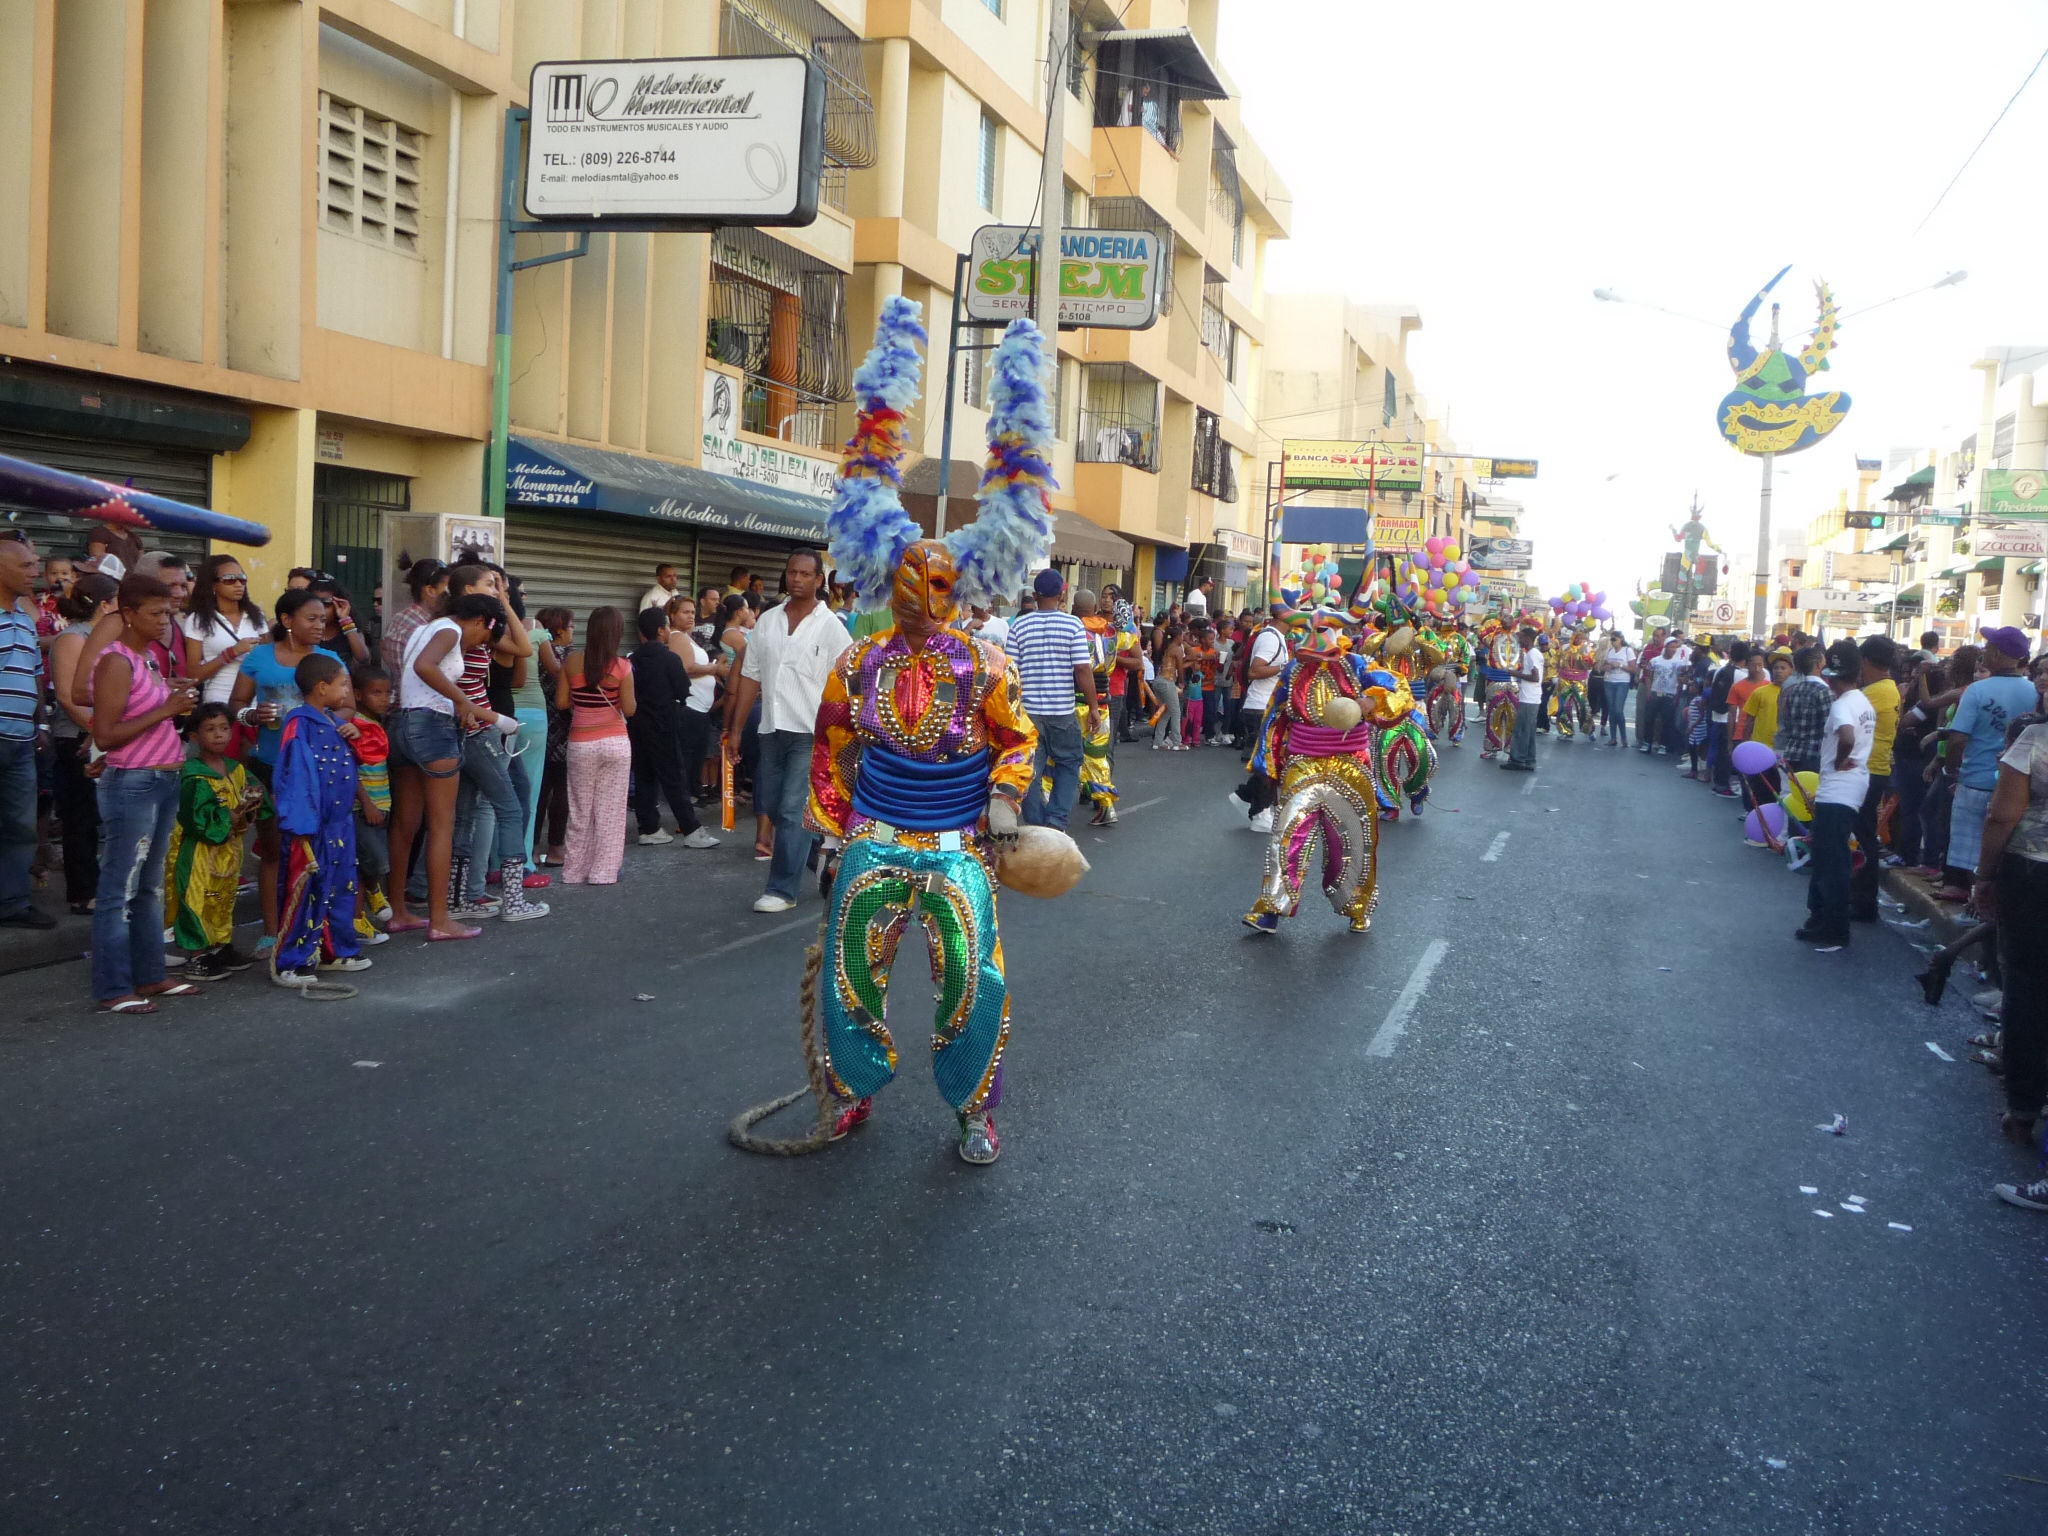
(790, 653)
(987, 624)
(1667, 667)
(1844, 782)
(1528, 705)
(1254, 798)
(1617, 670)
(658, 595)
(1196, 603)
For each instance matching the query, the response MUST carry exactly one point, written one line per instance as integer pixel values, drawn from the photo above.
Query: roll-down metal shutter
(585, 560)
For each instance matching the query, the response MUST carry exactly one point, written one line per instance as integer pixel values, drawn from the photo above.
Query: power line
(1983, 141)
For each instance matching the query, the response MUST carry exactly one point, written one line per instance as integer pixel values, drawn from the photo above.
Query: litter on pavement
(369, 1063)
(1819, 1212)
(1839, 1126)
(643, 997)
(1944, 1055)
(1808, 1189)
(1898, 1226)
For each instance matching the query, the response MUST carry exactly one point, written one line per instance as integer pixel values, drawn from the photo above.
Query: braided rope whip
(741, 1131)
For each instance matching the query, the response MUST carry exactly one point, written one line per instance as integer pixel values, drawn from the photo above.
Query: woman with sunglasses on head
(221, 626)
(133, 711)
(427, 580)
(266, 690)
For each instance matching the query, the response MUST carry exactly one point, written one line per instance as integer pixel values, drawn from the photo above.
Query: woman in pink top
(133, 707)
(600, 756)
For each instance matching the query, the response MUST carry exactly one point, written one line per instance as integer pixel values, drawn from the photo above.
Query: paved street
(1487, 1222)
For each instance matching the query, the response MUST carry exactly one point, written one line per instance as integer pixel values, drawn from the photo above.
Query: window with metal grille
(370, 176)
(1134, 89)
(752, 28)
(1119, 421)
(1215, 329)
(985, 164)
(349, 507)
(1213, 471)
(1226, 193)
(780, 317)
(1136, 213)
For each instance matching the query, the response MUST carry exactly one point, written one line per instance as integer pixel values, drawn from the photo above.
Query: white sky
(1493, 163)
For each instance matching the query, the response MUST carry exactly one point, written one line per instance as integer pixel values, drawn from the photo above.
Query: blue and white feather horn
(868, 527)
(1011, 537)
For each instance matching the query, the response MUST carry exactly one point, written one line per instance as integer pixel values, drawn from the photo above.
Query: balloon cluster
(1440, 581)
(1581, 601)
(1315, 582)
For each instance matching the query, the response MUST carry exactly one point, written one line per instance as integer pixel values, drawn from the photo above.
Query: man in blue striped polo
(21, 689)
(1054, 666)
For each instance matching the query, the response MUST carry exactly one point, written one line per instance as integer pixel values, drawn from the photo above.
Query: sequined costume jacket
(942, 707)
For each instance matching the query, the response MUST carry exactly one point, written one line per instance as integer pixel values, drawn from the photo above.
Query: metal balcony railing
(1112, 437)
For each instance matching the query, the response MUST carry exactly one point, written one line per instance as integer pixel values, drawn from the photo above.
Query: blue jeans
(1522, 746)
(17, 824)
(533, 740)
(1617, 712)
(138, 808)
(782, 788)
(487, 777)
(1059, 742)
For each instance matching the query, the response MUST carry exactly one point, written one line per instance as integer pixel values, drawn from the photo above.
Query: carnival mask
(922, 599)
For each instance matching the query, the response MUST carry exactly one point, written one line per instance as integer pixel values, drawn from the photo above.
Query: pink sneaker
(854, 1114)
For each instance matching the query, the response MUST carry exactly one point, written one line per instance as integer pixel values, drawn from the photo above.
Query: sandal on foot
(406, 924)
(170, 989)
(451, 935)
(1995, 1060)
(128, 1005)
(1989, 1040)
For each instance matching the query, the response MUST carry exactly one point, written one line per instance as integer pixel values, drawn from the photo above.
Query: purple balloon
(1753, 757)
(1765, 818)
(1557, 605)
(1603, 613)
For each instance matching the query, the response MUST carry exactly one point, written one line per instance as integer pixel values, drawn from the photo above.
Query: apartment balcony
(1123, 498)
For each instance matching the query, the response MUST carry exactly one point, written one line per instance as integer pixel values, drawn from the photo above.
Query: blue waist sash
(921, 797)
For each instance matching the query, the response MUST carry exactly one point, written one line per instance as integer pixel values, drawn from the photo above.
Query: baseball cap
(1050, 583)
(2012, 641)
(1844, 660)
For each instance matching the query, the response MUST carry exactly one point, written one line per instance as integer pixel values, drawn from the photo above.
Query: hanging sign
(1351, 466)
(676, 143)
(1109, 278)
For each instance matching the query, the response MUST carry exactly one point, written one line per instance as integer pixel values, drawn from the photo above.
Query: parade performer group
(923, 749)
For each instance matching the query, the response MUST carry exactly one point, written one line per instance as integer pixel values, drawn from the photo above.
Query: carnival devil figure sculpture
(1570, 704)
(1317, 744)
(1495, 661)
(923, 749)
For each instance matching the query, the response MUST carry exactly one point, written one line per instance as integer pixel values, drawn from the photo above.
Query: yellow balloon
(1450, 554)
(1799, 794)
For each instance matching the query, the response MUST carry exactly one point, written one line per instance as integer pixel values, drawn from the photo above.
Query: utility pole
(1052, 191)
(1758, 626)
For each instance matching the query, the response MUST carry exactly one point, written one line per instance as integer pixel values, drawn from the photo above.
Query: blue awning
(1325, 525)
(1170, 565)
(545, 474)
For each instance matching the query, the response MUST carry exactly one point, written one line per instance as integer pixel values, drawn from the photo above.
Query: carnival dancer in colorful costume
(315, 787)
(924, 750)
(1317, 743)
(1098, 786)
(1403, 755)
(1569, 704)
(1445, 711)
(1495, 661)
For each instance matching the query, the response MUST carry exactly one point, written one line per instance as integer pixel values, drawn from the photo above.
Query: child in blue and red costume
(315, 790)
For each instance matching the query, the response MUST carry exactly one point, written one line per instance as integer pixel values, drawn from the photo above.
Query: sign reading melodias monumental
(687, 141)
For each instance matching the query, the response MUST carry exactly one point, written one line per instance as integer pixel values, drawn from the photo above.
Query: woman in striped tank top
(597, 688)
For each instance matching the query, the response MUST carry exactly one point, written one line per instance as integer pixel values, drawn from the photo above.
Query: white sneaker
(347, 963)
(770, 902)
(373, 938)
(700, 839)
(1238, 803)
(525, 912)
(656, 838)
(1263, 822)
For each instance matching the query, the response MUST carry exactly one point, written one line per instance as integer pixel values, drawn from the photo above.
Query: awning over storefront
(1919, 480)
(1170, 565)
(1075, 538)
(572, 475)
(1912, 594)
(1968, 563)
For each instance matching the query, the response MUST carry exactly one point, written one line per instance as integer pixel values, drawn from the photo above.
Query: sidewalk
(1915, 893)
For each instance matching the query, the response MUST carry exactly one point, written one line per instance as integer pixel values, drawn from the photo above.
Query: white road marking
(1530, 787)
(1125, 810)
(1493, 849)
(755, 938)
(1395, 1025)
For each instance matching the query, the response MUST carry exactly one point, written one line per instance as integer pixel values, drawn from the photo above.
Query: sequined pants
(880, 888)
(1331, 798)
